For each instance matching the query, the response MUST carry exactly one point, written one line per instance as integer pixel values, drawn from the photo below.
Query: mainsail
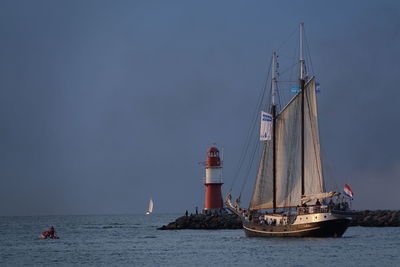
(288, 156)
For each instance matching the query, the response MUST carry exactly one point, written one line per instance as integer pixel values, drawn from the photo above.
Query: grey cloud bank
(104, 104)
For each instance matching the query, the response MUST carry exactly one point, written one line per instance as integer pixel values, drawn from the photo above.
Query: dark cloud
(106, 104)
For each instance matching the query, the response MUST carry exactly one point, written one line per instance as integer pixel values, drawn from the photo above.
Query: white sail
(262, 194)
(151, 207)
(313, 182)
(288, 156)
(288, 153)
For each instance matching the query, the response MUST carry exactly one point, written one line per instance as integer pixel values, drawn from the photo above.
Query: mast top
(302, 65)
(274, 77)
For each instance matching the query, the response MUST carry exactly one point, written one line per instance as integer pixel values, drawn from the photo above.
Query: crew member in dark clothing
(51, 232)
(331, 204)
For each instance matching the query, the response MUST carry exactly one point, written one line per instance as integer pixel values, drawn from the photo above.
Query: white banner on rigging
(266, 126)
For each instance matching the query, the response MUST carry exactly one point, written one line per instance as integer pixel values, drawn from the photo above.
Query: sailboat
(151, 207)
(289, 197)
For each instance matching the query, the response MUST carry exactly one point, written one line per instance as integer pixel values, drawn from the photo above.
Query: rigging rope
(284, 42)
(249, 149)
(250, 132)
(249, 167)
(308, 53)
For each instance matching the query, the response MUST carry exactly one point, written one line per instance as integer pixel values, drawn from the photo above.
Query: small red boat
(49, 234)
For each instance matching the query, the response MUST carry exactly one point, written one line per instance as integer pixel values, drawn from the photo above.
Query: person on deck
(331, 205)
(304, 208)
(318, 203)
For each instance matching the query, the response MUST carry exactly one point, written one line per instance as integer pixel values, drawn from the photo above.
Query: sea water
(133, 240)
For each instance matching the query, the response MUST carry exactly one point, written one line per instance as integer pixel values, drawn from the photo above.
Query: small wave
(148, 236)
(118, 227)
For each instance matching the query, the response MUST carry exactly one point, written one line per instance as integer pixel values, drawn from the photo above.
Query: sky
(106, 104)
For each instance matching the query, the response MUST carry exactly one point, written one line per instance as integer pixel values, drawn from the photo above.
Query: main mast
(302, 84)
(273, 111)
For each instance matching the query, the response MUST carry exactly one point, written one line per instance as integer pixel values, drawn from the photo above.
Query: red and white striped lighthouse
(213, 181)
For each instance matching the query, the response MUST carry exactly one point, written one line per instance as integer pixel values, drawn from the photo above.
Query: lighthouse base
(213, 200)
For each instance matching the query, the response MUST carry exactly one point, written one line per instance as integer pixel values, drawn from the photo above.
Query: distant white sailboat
(151, 207)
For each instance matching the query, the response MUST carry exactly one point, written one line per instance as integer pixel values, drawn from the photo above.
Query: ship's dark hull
(331, 228)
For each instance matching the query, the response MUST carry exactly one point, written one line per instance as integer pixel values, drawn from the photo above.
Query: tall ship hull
(325, 228)
(311, 221)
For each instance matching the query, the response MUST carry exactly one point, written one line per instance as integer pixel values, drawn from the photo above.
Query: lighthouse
(213, 182)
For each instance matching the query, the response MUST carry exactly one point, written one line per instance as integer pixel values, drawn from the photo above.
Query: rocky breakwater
(376, 218)
(366, 218)
(202, 221)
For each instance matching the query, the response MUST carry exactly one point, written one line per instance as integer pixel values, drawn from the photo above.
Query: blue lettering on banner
(296, 89)
(267, 117)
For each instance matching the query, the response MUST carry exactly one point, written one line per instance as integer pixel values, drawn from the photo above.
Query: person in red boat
(51, 233)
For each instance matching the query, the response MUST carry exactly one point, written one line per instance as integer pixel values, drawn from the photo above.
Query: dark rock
(201, 221)
(377, 218)
(366, 218)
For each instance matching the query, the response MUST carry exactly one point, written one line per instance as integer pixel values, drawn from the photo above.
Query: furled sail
(308, 198)
(288, 156)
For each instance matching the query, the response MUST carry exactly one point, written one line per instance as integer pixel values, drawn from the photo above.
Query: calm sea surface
(133, 240)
